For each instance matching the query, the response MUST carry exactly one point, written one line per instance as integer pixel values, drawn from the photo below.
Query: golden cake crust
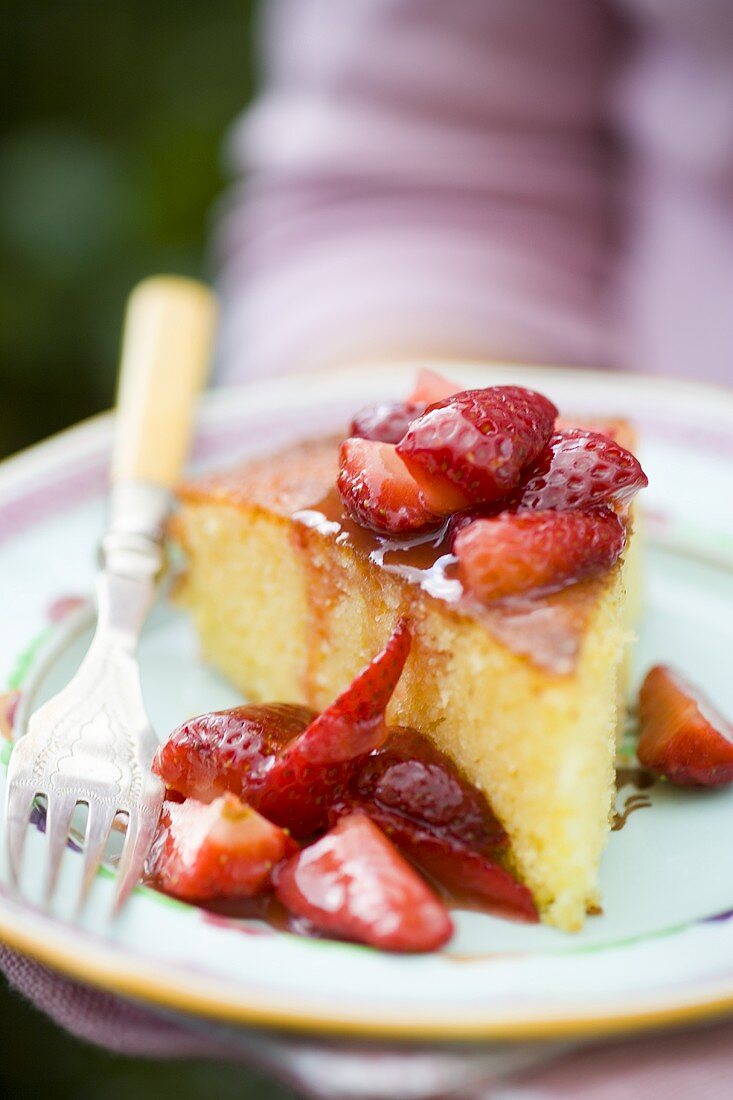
(548, 630)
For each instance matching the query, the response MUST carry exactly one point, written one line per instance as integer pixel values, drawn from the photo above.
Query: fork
(92, 743)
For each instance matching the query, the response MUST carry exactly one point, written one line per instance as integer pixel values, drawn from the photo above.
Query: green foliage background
(114, 114)
(110, 161)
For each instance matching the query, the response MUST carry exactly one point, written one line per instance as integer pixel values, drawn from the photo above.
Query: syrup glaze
(548, 629)
(641, 780)
(299, 484)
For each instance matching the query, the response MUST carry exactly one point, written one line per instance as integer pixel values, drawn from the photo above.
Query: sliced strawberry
(431, 387)
(379, 492)
(683, 737)
(532, 552)
(223, 849)
(475, 445)
(228, 750)
(315, 769)
(468, 874)
(441, 822)
(386, 422)
(579, 469)
(411, 776)
(354, 884)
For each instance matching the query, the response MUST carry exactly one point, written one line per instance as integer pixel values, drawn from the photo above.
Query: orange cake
(291, 597)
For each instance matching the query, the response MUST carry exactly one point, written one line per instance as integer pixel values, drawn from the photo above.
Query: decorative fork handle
(168, 330)
(93, 742)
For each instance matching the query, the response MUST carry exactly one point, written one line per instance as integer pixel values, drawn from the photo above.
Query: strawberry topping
(683, 737)
(441, 823)
(470, 875)
(379, 492)
(314, 770)
(579, 469)
(223, 849)
(530, 552)
(409, 775)
(354, 884)
(386, 422)
(228, 750)
(473, 447)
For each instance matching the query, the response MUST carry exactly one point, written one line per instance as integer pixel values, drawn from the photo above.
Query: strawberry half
(314, 770)
(431, 387)
(536, 552)
(438, 820)
(223, 849)
(469, 875)
(683, 736)
(410, 776)
(386, 422)
(473, 447)
(580, 469)
(228, 750)
(378, 491)
(354, 884)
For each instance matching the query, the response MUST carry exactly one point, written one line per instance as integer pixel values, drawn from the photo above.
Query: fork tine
(140, 832)
(18, 804)
(61, 806)
(99, 824)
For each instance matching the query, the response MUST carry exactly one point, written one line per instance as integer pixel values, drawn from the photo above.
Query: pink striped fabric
(432, 179)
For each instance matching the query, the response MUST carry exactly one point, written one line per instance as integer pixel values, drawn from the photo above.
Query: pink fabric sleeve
(421, 179)
(674, 105)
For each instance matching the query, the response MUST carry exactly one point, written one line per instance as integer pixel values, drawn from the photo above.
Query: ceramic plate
(663, 948)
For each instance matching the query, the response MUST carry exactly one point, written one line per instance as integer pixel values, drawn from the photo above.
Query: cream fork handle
(165, 354)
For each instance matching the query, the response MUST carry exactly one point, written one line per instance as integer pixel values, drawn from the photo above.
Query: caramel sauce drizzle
(641, 780)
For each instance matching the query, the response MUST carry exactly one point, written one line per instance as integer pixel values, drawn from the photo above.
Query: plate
(662, 951)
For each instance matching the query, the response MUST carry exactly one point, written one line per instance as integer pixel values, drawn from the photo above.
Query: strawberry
(411, 776)
(579, 469)
(386, 422)
(354, 884)
(228, 750)
(378, 492)
(223, 849)
(473, 447)
(438, 820)
(530, 552)
(469, 874)
(683, 737)
(431, 387)
(315, 768)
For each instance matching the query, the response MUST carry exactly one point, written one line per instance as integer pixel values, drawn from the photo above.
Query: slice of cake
(291, 597)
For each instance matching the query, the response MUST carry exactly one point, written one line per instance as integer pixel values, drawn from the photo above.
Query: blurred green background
(114, 114)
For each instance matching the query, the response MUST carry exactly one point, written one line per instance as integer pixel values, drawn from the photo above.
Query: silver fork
(92, 743)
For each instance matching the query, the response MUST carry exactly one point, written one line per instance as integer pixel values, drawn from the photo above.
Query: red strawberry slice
(469, 875)
(378, 492)
(473, 447)
(536, 552)
(386, 422)
(580, 469)
(441, 822)
(223, 849)
(431, 387)
(683, 737)
(314, 770)
(228, 750)
(411, 776)
(353, 883)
